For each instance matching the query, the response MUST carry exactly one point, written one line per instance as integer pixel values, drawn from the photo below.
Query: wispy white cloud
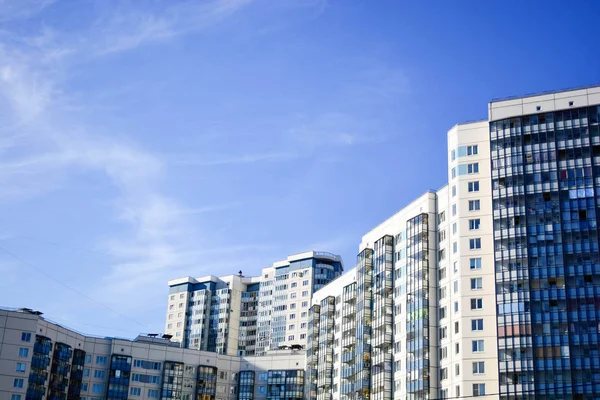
(200, 160)
(11, 10)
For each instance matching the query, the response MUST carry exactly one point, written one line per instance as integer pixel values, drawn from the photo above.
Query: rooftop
(544, 93)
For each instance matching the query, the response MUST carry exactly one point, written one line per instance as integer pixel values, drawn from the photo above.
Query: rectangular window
(21, 367)
(476, 283)
(292, 316)
(477, 346)
(442, 273)
(453, 210)
(97, 388)
(453, 190)
(474, 205)
(15, 397)
(456, 328)
(153, 394)
(457, 348)
(453, 173)
(305, 293)
(303, 336)
(477, 324)
(18, 383)
(292, 306)
(86, 372)
(473, 186)
(479, 367)
(457, 369)
(475, 243)
(455, 286)
(443, 373)
(474, 224)
(135, 391)
(305, 304)
(453, 155)
(454, 247)
(25, 337)
(443, 332)
(442, 255)
(23, 352)
(476, 304)
(84, 387)
(472, 168)
(457, 390)
(88, 358)
(456, 306)
(262, 389)
(294, 284)
(478, 389)
(99, 374)
(475, 263)
(305, 283)
(454, 228)
(101, 360)
(303, 325)
(441, 218)
(442, 312)
(472, 150)
(291, 337)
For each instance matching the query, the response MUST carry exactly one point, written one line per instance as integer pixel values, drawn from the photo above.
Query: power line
(30, 265)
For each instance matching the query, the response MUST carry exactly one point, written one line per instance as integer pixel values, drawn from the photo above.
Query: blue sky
(142, 141)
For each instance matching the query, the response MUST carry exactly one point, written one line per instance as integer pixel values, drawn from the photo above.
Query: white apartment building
(43, 360)
(239, 315)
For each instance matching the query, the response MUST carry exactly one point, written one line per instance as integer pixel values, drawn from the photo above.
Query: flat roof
(544, 93)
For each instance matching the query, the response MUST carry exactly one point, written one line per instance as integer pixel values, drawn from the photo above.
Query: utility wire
(30, 265)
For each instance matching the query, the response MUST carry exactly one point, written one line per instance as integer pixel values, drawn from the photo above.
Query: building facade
(239, 315)
(488, 287)
(41, 360)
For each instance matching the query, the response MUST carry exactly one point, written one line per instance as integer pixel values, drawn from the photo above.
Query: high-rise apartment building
(488, 287)
(239, 315)
(43, 360)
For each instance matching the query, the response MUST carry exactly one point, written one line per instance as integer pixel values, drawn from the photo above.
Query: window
(303, 314)
(170, 316)
(292, 316)
(443, 373)
(88, 358)
(454, 247)
(475, 243)
(454, 228)
(453, 210)
(455, 266)
(472, 168)
(472, 150)
(172, 307)
(443, 332)
(21, 367)
(456, 306)
(443, 353)
(476, 304)
(477, 346)
(100, 360)
(182, 295)
(474, 224)
(172, 297)
(442, 294)
(305, 304)
(457, 348)
(294, 284)
(170, 326)
(99, 374)
(457, 390)
(135, 391)
(456, 327)
(441, 218)
(305, 293)
(15, 397)
(474, 205)
(453, 155)
(473, 186)
(479, 367)
(292, 306)
(453, 173)
(303, 325)
(442, 273)
(303, 336)
(291, 337)
(179, 315)
(442, 312)
(479, 389)
(291, 327)
(305, 283)
(442, 255)
(442, 235)
(262, 389)
(86, 372)
(455, 286)
(84, 387)
(293, 295)
(25, 337)
(18, 383)
(262, 377)
(153, 394)
(179, 324)
(477, 324)
(453, 190)
(457, 369)
(475, 263)
(444, 394)
(97, 388)
(476, 283)
(23, 352)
